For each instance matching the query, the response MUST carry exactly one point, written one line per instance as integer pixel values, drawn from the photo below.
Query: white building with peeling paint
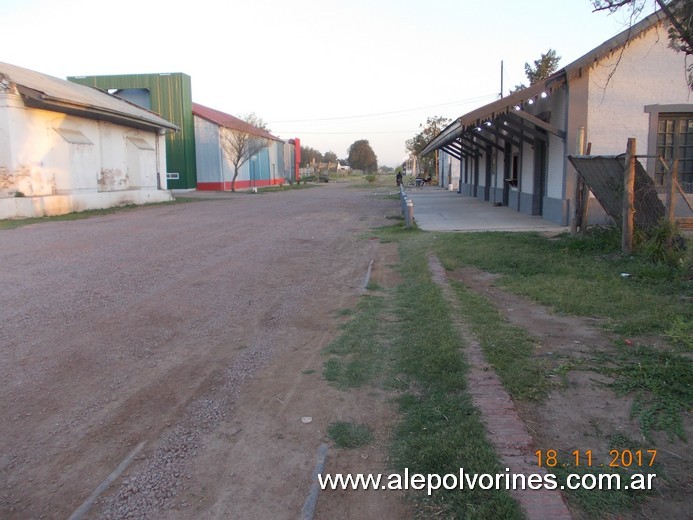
(66, 147)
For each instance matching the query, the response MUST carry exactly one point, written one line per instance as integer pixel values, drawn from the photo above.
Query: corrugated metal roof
(229, 121)
(60, 95)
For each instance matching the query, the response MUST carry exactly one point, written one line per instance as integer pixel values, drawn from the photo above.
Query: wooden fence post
(671, 183)
(585, 197)
(671, 186)
(628, 198)
(577, 212)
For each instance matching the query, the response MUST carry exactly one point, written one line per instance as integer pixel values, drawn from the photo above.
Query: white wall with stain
(53, 163)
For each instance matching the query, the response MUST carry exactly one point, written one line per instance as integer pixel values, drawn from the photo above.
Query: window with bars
(675, 141)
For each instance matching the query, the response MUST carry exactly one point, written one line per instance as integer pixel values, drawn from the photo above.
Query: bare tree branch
(239, 147)
(679, 14)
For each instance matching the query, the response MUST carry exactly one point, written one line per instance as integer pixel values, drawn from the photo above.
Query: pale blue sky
(312, 68)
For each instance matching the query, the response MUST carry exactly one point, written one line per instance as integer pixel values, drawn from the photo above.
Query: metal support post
(409, 217)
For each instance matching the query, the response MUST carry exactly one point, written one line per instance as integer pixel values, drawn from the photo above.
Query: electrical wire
(463, 101)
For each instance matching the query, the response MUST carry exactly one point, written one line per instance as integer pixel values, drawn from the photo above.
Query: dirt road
(181, 343)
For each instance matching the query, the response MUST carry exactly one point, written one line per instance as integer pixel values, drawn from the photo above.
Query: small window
(675, 141)
(138, 96)
(73, 136)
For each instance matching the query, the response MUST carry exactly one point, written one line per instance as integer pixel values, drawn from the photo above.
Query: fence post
(671, 192)
(585, 197)
(628, 198)
(671, 185)
(575, 221)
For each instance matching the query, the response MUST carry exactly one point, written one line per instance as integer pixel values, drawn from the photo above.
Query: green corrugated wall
(171, 98)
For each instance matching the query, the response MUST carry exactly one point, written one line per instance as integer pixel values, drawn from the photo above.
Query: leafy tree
(240, 145)
(433, 126)
(679, 13)
(308, 154)
(362, 157)
(543, 68)
(330, 157)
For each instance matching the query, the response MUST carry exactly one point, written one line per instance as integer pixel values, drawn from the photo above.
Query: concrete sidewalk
(436, 209)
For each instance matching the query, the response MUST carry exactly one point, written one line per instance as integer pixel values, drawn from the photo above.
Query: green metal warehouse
(170, 96)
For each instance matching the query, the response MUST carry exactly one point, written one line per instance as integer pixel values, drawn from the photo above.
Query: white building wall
(451, 173)
(482, 172)
(443, 165)
(52, 163)
(500, 170)
(616, 104)
(527, 169)
(556, 149)
(555, 167)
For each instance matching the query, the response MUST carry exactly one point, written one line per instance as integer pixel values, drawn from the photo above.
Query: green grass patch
(373, 286)
(440, 431)
(80, 215)
(660, 382)
(595, 503)
(376, 181)
(344, 312)
(509, 349)
(680, 334)
(583, 276)
(347, 435)
(357, 355)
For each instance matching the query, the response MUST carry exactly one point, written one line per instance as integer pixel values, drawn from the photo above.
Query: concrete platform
(436, 209)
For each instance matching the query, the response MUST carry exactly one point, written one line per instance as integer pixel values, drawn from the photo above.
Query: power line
(463, 101)
(348, 133)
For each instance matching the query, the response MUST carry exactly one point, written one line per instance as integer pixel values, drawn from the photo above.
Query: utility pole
(501, 92)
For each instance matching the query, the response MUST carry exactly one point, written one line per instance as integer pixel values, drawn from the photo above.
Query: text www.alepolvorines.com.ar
(508, 481)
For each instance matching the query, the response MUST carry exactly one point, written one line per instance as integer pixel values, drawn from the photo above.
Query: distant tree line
(360, 156)
(310, 155)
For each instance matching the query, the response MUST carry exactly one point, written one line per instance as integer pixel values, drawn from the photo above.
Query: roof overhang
(505, 119)
(37, 99)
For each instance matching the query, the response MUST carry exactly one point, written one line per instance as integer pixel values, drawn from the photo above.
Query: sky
(330, 72)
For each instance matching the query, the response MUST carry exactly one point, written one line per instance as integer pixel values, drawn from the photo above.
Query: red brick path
(504, 429)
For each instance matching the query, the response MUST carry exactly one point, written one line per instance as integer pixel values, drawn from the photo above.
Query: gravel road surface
(175, 341)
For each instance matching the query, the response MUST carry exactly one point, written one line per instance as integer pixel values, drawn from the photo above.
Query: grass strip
(583, 276)
(81, 215)
(599, 503)
(661, 384)
(440, 431)
(509, 349)
(356, 356)
(347, 435)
